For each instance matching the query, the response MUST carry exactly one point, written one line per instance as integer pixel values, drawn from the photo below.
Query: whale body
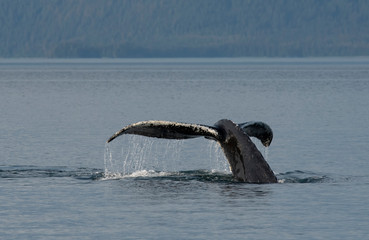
(246, 162)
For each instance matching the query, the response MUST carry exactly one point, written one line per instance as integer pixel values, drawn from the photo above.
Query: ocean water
(60, 180)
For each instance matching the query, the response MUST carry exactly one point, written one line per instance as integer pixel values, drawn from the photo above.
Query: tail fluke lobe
(168, 130)
(259, 130)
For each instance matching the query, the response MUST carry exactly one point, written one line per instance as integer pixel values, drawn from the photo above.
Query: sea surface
(60, 180)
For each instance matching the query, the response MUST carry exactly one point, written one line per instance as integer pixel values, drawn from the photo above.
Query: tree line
(183, 28)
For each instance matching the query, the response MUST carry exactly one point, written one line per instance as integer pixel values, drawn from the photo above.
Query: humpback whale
(246, 162)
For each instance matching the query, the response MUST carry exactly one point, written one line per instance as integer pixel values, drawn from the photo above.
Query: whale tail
(176, 130)
(247, 163)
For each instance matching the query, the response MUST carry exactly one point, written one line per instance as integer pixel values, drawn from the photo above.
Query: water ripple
(49, 172)
(296, 176)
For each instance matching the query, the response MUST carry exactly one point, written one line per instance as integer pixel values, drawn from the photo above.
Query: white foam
(281, 180)
(136, 174)
(148, 173)
(112, 176)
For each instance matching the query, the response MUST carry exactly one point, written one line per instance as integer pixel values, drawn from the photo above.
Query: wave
(191, 175)
(298, 176)
(216, 176)
(29, 171)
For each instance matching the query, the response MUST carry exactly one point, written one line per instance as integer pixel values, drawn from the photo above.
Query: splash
(130, 159)
(266, 153)
(148, 173)
(139, 154)
(217, 161)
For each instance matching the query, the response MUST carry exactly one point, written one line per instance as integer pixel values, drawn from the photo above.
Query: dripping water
(266, 153)
(138, 154)
(217, 161)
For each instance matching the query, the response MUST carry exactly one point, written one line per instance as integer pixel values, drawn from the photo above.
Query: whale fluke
(259, 130)
(246, 162)
(169, 130)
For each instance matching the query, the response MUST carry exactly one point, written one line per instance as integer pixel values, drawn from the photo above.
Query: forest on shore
(183, 28)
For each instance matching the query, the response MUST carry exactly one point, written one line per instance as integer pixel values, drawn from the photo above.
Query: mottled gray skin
(247, 163)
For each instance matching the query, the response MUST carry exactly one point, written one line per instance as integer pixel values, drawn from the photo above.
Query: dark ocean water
(59, 180)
